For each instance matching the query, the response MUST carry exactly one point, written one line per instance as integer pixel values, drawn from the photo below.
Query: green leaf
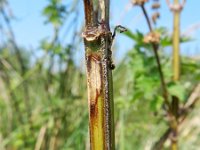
(166, 41)
(45, 45)
(184, 39)
(156, 103)
(129, 34)
(137, 37)
(55, 13)
(178, 90)
(57, 49)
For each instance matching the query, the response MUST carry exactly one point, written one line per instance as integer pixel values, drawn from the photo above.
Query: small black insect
(112, 66)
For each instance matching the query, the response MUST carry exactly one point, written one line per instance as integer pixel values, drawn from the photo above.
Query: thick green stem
(98, 41)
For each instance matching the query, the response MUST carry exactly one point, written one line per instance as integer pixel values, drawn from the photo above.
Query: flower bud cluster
(139, 2)
(152, 38)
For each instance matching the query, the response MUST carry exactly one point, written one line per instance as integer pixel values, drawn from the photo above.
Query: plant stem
(172, 117)
(155, 50)
(159, 144)
(98, 41)
(188, 106)
(176, 69)
(176, 44)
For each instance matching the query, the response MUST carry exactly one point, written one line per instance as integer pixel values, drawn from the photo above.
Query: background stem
(176, 71)
(155, 50)
(176, 44)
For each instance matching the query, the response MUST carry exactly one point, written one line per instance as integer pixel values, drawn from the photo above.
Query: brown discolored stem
(98, 41)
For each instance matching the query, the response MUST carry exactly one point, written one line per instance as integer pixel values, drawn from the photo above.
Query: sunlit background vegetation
(43, 93)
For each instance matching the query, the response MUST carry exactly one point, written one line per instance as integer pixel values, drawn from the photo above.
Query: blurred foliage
(44, 104)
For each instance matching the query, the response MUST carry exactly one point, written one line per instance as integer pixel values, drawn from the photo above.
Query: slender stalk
(176, 8)
(176, 44)
(159, 144)
(98, 41)
(155, 50)
(191, 101)
(172, 118)
(176, 68)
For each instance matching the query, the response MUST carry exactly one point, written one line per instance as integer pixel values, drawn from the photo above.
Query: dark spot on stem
(94, 106)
